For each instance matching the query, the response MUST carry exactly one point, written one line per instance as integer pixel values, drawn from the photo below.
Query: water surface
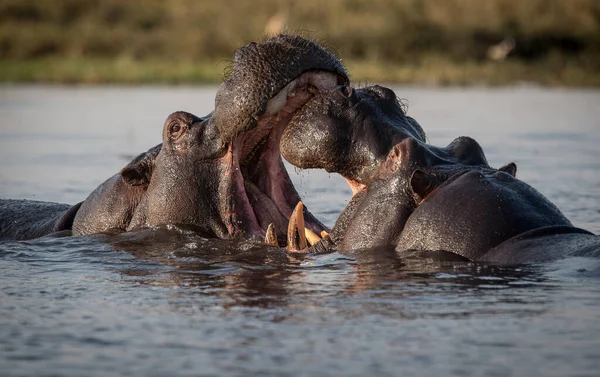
(166, 302)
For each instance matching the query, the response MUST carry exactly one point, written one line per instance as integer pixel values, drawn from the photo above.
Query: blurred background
(433, 42)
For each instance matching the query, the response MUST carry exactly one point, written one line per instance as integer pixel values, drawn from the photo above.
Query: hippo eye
(176, 129)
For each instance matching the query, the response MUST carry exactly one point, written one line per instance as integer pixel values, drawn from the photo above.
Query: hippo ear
(422, 183)
(510, 168)
(393, 159)
(139, 171)
(137, 174)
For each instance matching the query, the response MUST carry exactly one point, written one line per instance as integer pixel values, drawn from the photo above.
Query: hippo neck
(185, 191)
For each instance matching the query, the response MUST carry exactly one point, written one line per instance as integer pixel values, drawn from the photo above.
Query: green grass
(433, 71)
(102, 71)
(556, 42)
(444, 72)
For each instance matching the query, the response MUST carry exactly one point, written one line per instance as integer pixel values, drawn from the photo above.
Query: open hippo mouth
(264, 194)
(252, 109)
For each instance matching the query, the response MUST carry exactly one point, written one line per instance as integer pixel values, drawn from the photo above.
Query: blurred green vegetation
(552, 42)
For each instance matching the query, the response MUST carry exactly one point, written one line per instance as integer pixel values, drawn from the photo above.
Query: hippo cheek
(321, 146)
(349, 132)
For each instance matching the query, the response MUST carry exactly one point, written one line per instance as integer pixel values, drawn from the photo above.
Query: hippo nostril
(342, 80)
(346, 90)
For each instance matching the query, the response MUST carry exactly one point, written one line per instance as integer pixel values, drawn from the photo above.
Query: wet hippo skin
(233, 182)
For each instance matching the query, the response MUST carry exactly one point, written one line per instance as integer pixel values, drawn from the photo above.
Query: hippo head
(351, 132)
(224, 173)
(348, 131)
(421, 201)
(468, 212)
(376, 215)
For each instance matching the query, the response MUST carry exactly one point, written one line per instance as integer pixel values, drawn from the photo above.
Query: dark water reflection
(167, 302)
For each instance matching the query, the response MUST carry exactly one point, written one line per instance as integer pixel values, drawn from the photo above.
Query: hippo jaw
(375, 216)
(260, 190)
(268, 83)
(349, 132)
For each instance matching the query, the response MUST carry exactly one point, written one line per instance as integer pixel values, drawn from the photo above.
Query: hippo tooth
(296, 236)
(324, 234)
(311, 237)
(278, 101)
(271, 236)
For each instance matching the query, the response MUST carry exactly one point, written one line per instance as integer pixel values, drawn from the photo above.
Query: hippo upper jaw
(260, 190)
(349, 132)
(269, 82)
(263, 71)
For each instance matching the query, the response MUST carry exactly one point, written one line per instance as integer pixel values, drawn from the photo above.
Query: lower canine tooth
(271, 236)
(296, 235)
(311, 237)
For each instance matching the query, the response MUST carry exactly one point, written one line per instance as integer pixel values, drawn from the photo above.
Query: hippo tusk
(271, 236)
(311, 237)
(296, 236)
(324, 234)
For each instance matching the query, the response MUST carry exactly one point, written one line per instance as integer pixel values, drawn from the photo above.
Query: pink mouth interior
(262, 191)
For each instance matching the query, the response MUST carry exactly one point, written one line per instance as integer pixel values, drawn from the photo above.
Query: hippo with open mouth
(350, 132)
(415, 196)
(222, 173)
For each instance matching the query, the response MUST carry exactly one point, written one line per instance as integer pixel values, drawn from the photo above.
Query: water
(170, 303)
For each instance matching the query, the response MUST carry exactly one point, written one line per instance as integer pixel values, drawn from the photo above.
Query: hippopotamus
(415, 196)
(489, 216)
(475, 212)
(222, 173)
(351, 132)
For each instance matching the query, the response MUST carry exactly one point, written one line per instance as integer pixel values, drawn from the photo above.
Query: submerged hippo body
(416, 203)
(494, 217)
(231, 180)
(25, 219)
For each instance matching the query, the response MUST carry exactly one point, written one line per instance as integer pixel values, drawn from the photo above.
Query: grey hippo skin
(414, 196)
(222, 173)
(490, 216)
(351, 132)
(479, 213)
(24, 219)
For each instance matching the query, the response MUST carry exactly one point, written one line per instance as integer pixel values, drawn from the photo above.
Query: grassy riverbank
(427, 72)
(432, 42)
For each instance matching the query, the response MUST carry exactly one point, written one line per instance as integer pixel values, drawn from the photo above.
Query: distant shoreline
(429, 72)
